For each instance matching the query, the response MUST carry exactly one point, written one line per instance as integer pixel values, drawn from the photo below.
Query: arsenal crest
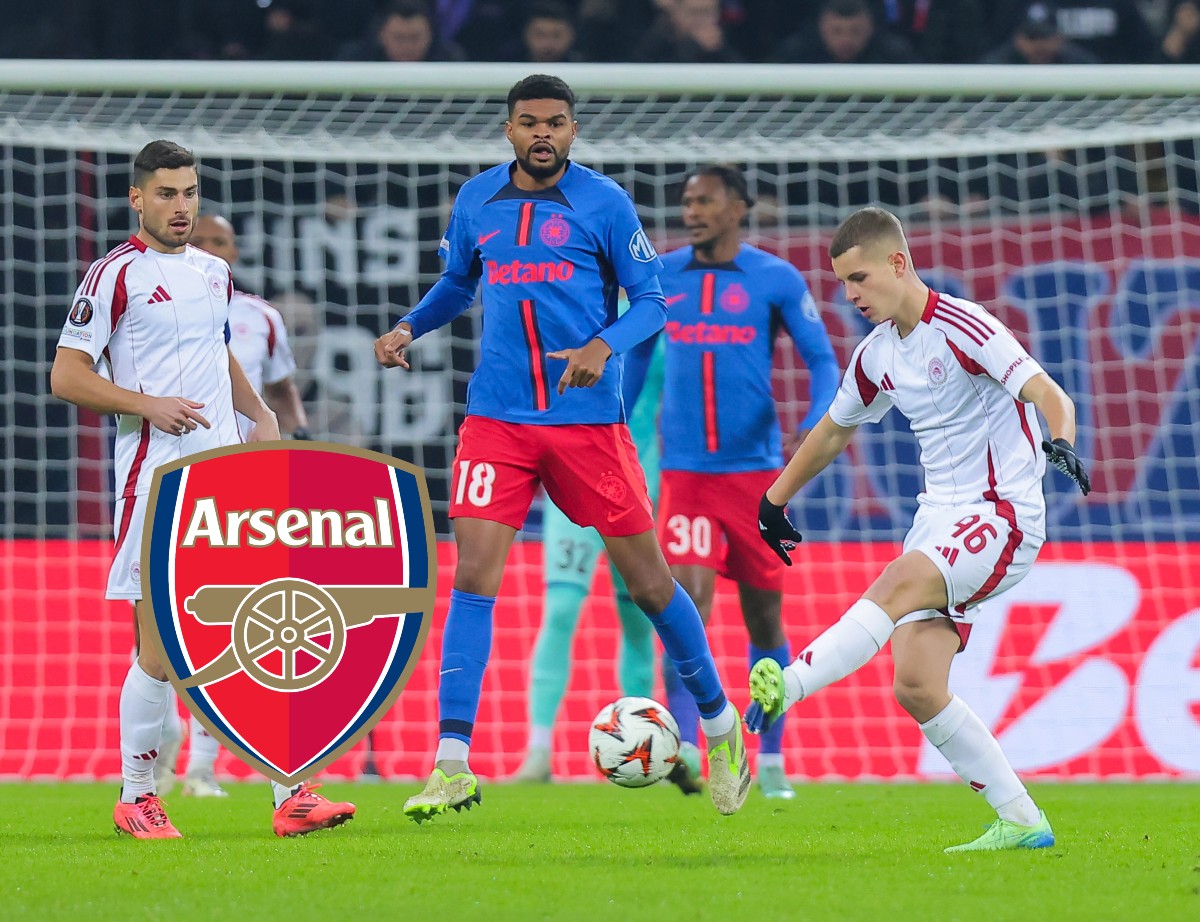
(292, 588)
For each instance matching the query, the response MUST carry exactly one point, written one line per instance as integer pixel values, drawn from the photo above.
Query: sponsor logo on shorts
(555, 232)
(81, 313)
(135, 572)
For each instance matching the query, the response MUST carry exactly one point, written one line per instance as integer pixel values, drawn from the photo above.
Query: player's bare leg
(640, 561)
(483, 548)
(908, 584)
(145, 701)
(762, 612)
(923, 652)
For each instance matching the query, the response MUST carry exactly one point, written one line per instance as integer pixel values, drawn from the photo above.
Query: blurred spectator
(485, 30)
(608, 30)
(1038, 40)
(687, 32)
(762, 23)
(404, 32)
(940, 31)
(1181, 44)
(265, 30)
(846, 33)
(548, 36)
(1113, 31)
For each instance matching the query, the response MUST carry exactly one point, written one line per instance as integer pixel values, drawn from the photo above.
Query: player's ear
(508, 126)
(135, 199)
(574, 129)
(899, 263)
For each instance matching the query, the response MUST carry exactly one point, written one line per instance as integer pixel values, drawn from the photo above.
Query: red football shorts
(711, 520)
(590, 471)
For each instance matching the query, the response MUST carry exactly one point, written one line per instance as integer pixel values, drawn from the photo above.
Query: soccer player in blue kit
(722, 444)
(551, 242)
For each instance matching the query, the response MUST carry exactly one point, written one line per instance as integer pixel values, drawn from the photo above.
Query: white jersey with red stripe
(956, 377)
(159, 323)
(258, 340)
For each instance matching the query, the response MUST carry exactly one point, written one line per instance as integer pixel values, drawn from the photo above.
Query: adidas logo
(160, 295)
(950, 553)
(886, 384)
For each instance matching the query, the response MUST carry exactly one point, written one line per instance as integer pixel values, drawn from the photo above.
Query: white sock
(172, 728)
(723, 723)
(843, 648)
(770, 760)
(541, 737)
(202, 752)
(144, 705)
(281, 792)
(976, 757)
(452, 750)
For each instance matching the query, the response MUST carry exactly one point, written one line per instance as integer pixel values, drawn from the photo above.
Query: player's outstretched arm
(826, 441)
(73, 379)
(1059, 411)
(391, 346)
(246, 400)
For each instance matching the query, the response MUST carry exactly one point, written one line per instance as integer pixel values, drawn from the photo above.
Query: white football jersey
(956, 377)
(258, 340)
(159, 323)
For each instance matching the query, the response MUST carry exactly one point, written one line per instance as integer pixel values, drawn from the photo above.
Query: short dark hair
(541, 86)
(730, 175)
(404, 9)
(846, 8)
(160, 155)
(549, 9)
(865, 227)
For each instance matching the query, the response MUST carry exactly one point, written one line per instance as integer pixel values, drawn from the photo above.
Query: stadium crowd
(664, 31)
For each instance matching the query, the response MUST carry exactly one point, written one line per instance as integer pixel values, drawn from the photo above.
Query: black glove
(776, 530)
(300, 434)
(1062, 455)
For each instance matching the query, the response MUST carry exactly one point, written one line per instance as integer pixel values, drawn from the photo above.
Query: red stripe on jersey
(120, 298)
(970, 366)
(968, 318)
(1005, 510)
(930, 303)
(525, 224)
(867, 391)
(1025, 424)
(712, 437)
(537, 364)
(708, 288)
(92, 280)
(958, 325)
(270, 335)
(136, 242)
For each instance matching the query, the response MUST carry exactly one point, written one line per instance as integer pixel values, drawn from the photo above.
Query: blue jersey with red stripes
(551, 263)
(718, 412)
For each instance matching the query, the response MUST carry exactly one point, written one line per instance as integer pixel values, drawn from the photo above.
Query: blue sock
(466, 645)
(682, 634)
(772, 741)
(681, 703)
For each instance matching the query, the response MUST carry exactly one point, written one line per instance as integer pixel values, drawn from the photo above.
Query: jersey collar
(930, 303)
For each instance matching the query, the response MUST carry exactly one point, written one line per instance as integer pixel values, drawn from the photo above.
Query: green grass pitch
(582, 852)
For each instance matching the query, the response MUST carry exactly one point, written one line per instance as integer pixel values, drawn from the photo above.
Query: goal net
(1065, 199)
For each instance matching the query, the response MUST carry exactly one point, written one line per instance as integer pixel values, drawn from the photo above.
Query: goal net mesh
(1075, 218)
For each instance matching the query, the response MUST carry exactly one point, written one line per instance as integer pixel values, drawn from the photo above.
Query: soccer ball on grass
(634, 742)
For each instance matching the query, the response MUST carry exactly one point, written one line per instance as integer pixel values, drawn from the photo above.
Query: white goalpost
(1065, 198)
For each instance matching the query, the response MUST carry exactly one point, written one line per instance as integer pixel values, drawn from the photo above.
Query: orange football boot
(144, 819)
(306, 811)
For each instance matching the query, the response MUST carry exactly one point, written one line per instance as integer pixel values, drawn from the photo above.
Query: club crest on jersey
(217, 285)
(734, 299)
(81, 313)
(555, 232)
(640, 247)
(291, 589)
(937, 372)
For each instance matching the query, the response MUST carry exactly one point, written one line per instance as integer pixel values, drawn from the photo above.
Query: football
(634, 742)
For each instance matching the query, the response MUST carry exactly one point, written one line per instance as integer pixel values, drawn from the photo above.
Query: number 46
(977, 540)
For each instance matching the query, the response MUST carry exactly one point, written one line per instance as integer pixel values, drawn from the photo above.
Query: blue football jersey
(551, 263)
(718, 412)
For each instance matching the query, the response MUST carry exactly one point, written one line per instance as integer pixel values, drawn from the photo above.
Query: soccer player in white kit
(155, 311)
(259, 342)
(966, 385)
